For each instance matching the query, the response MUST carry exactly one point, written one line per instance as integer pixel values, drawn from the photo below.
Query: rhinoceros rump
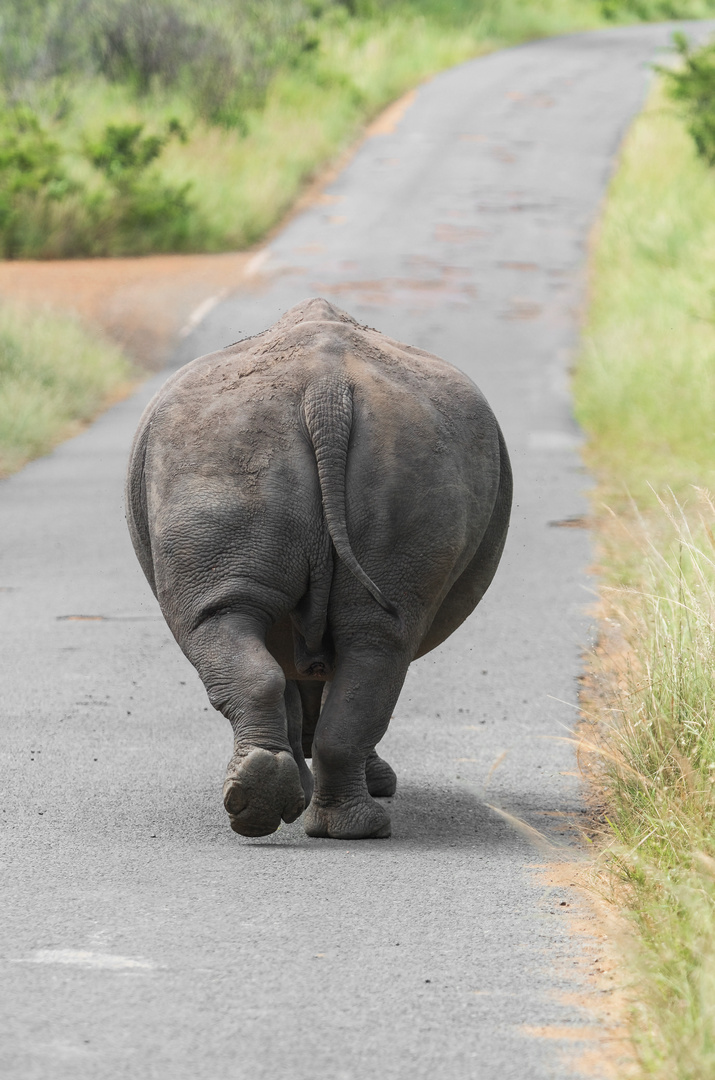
(315, 505)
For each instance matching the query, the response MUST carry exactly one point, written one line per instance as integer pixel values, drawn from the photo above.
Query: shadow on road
(424, 817)
(442, 817)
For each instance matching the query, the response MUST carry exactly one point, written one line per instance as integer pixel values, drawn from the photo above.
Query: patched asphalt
(140, 937)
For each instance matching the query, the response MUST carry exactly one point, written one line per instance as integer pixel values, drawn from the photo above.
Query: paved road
(140, 937)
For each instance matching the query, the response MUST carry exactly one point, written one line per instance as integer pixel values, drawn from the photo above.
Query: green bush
(31, 176)
(655, 10)
(221, 55)
(130, 210)
(137, 211)
(693, 84)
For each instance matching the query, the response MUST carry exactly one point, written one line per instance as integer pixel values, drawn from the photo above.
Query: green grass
(55, 377)
(645, 393)
(645, 384)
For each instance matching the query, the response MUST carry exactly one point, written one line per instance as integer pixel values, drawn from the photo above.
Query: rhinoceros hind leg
(354, 717)
(381, 778)
(246, 683)
(260, 789)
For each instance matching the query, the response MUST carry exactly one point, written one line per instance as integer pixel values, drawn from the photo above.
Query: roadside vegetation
(137, 126)
(134, 126)
(645, 393)
(55, 376)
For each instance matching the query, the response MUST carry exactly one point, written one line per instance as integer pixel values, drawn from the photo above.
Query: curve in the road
(141, 938)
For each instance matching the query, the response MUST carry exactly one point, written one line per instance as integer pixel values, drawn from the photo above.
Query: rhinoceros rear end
(317, 505)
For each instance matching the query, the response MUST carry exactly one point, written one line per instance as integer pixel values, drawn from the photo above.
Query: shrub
(693, 84)
(138, 41)
(123, 153)
(655, 10)
(40, 39)
(45, 213)
(220, 55)
(138, 211)
(31, 176)
(143, 43)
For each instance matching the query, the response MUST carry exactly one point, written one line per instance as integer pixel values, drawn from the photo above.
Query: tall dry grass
(645, 393)
(656, 723)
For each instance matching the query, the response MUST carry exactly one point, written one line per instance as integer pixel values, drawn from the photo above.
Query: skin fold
(314, 508)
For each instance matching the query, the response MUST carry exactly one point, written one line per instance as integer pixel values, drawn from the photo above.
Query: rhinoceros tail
(328, 413)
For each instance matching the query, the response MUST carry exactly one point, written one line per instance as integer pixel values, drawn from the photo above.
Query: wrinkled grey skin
(317, 504)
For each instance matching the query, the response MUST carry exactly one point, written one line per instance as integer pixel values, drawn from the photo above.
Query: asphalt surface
(139, 936)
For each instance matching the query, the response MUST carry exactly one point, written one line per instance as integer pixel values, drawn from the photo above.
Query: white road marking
(254, 266)
(201, 311)
(83, 958)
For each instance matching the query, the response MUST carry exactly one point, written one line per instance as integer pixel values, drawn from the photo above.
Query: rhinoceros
(314, 508)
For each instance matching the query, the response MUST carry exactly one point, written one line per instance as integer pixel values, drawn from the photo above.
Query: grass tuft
(56, 376)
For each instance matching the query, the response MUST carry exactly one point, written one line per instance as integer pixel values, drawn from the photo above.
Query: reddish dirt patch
(142, 303)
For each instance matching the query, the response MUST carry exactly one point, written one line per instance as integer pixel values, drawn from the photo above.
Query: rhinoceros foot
(358, 819)
(381, 778)
(260, 789)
